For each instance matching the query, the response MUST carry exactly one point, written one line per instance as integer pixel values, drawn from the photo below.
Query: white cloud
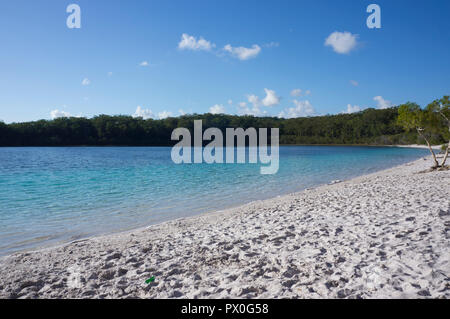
(352, 109)
(85, 82)
(58, 114)
(342, 42)
(301, 109)
(271, 98)
(144, 63)
(254, 100)
(296, 92)
(354, 83)
(182, 112)
(189, 42)
(254, 109)
(243, 53)
(382, 103)
(164, 114)
(144, 113)
(230, 102)
(110, 73)
(299, 92)
(243, 109)
(217, 109)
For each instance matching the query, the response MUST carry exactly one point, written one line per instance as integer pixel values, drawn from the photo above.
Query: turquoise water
(53, 195)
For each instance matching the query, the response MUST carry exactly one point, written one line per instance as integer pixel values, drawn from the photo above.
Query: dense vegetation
(371, 126)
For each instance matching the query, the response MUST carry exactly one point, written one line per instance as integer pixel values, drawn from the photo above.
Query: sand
(434, 147)
(384, 235)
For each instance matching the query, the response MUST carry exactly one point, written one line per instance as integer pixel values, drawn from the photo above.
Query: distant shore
(370, 145)
(362, 145)
(381, 235)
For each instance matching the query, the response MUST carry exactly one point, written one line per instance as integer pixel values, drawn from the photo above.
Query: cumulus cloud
(144, 113)
(253, 109)
(301, 109)
(299, 92)
(217, 109)
(244, 109)
(296, 92)
(182, 112)
(271, 98)
(253, 99)
(189, 42)
(382, 103)
(164, 114)
(243, 53)
(354, 83)
(352, 109)
(342, 42)
(85, 82)
(58, 114)
(144, 63)
(148, 114)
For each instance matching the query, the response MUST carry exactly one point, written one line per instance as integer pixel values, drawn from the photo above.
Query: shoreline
(362, 145)
(109, 274)
(434, 147)
(63, 243)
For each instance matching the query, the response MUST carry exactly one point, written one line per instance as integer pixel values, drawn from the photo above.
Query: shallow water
(53, 195)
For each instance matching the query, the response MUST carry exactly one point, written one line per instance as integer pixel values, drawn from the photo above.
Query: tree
(368, 127)
(410, 117)
(439, 111)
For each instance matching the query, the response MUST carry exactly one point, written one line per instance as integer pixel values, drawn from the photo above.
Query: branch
(445, 117)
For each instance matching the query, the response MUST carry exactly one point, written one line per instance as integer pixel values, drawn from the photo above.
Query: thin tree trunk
(436, 163)
(448, 146)
(446, 154)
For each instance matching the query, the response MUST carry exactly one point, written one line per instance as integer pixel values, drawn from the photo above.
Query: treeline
(371, 126)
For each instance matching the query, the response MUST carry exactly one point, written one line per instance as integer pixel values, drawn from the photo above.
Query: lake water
(54, 195)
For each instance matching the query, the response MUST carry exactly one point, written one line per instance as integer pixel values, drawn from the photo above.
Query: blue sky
(238, 57)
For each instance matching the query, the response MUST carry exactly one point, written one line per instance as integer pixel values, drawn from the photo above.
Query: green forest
(368, 127)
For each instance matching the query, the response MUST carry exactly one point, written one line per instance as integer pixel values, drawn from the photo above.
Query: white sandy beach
(434, 147)
(384, 235)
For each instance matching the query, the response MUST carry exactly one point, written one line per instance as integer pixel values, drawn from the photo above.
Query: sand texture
(384, 235)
